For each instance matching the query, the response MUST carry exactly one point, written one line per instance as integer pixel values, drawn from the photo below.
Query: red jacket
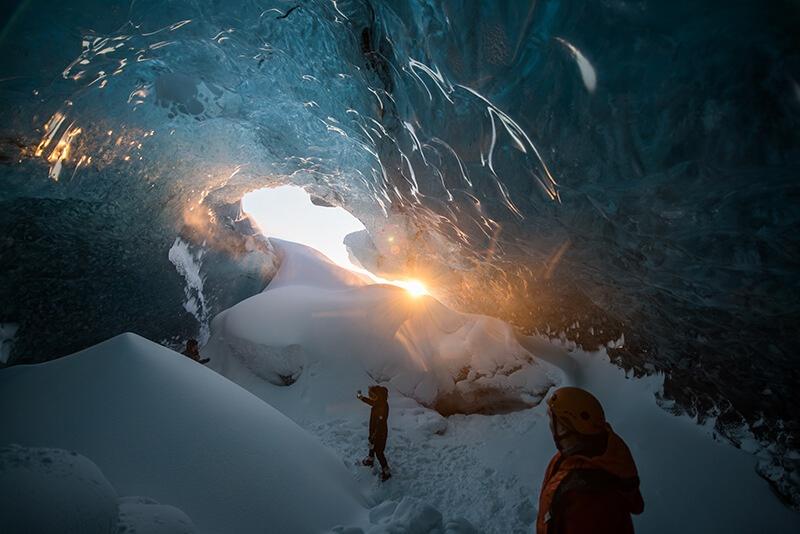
(590, 495)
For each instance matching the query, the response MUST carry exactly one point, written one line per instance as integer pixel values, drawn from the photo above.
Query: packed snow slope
(318, 333)
(163, 427)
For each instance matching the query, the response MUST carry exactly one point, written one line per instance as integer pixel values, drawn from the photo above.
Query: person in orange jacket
(591, 485)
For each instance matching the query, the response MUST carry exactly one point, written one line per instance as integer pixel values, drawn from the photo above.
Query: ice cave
(413, 250)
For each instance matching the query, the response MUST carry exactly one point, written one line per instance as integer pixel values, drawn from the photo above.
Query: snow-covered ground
(109, 433)
(335, 335)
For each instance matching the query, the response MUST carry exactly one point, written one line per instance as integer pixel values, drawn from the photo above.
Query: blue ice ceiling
(600, 169)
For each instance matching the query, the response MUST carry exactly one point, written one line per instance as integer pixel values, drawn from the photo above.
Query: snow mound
(158, 424)
(280, 366)
(316, 314)
(303, 265)
(408, 516)
(52, 490)
(140, 515)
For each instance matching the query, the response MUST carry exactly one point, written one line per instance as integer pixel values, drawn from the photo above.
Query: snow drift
(315, 313)
(46, 490)
(159, 425)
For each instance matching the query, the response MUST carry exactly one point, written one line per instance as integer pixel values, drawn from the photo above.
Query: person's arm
(629, 494)
(365, 400)
(634, 501)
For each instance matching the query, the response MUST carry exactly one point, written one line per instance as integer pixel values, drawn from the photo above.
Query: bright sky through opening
(286, 212)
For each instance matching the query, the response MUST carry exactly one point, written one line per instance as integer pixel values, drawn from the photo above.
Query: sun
(415, 288)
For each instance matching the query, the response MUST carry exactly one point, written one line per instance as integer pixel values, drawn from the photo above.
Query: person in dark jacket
(193, 351)
(378, 427)
(591, 485)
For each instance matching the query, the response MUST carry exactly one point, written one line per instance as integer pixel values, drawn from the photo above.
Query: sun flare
(415, 288)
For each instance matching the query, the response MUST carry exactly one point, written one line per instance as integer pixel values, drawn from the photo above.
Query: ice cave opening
(290, 213)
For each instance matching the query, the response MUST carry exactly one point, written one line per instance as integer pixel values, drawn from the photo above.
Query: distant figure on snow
(378, 427)
(193, 351)
(591, 485)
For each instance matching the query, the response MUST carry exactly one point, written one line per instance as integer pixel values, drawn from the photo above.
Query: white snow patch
(188, 265)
